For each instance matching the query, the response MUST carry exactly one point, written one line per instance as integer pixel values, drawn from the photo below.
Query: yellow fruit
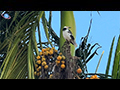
(44, 63)
(43, 50)
(46, 53)
(92, 77)
(43, 59)
(87, 77)
(53, 48)
(57, 62)
(38, 61)
(43, 56)
(60, 53)
(41, 53)
(79, 70)
(36, 65)
(51, 52)
(63, 62)
(38, 57)
(35, 73)
(95, 77)
(47, 49)
(46, 67)
(59, 58)
(51, 76)
(63, 57)
(39, 67)
(56, 50)
(62, 66)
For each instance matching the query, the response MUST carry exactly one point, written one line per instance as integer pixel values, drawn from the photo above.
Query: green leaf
(34, 39)
(30, 62)
(44, 22)
(67, 19)
(116, 60)
(14, 18)
(7, 62)
(109, 58)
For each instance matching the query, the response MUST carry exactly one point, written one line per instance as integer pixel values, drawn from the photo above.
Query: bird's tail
(74, 43)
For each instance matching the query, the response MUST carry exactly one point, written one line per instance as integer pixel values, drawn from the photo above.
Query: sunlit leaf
(110, 55)
(116, 60)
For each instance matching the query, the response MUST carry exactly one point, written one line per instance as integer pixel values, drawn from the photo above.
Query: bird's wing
(69, 32)
(72, 37)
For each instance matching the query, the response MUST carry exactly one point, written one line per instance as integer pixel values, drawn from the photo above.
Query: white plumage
(67, 34)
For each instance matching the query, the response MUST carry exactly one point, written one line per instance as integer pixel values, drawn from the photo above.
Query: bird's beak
(69, 27)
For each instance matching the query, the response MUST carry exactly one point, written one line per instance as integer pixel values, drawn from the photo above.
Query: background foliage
(19, 49)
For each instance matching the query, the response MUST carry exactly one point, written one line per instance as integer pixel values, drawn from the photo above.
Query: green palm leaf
(21, 46)
(116, 60)
(67, 19)
(110, 55)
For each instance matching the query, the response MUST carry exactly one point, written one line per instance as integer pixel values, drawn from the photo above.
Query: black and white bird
(67, 34)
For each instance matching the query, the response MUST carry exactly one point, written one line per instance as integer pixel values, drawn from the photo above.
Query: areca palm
(19, 47)
(18, 43)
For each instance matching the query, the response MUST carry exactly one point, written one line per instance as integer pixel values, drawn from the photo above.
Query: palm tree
(19, 50)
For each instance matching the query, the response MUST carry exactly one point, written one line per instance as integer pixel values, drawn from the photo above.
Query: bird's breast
(66, 35)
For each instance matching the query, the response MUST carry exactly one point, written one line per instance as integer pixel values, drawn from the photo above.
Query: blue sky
(103, 29)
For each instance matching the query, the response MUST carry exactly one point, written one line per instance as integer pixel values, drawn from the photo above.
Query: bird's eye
(64, 28)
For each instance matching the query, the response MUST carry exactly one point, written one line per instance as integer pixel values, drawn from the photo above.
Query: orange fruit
(53, 48)
(51, 75)
(38, 57)
(60, 53)
(63, 57)
(62, 66)
(47, 49)
(46, 53)
(51, 52)
(92, 77)
(43, 50)
(79, 70)
(38, 61)
(56, 50)
(44, 63)
(43, 59)
(87, 77)
(36, 65)
(57, 61)
(39, 67)
(46, 67)
(63, 62)
(95, 77)
(59, 58)
(41, 53)
(35, 73)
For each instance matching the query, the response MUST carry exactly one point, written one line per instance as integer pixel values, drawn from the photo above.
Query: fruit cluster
(93, 77)
(60, 61)
(42, 62)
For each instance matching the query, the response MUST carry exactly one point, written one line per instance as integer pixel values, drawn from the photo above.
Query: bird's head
(66, 28)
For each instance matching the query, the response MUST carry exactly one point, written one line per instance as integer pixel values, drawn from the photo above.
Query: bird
(67, 34)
